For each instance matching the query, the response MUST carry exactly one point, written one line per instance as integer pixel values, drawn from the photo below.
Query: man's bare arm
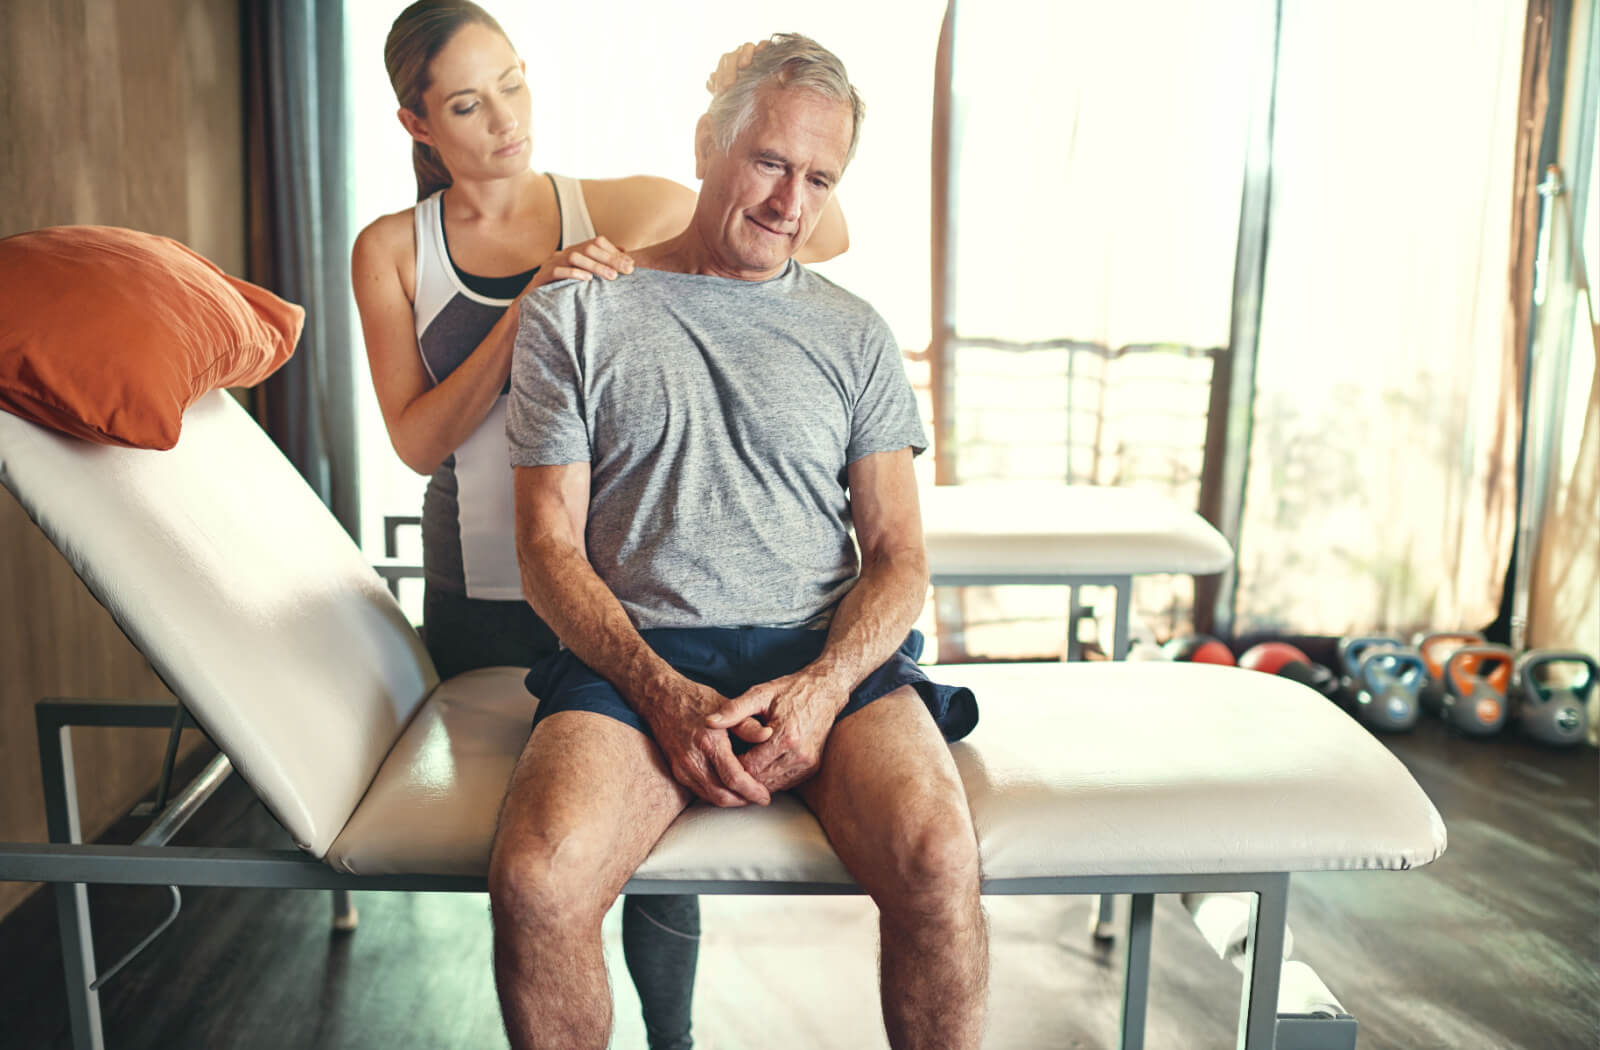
(874, 618)
(552, 507)
(868, 626)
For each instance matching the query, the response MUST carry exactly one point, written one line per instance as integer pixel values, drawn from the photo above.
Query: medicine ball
(1198, 649)
(1271, 656)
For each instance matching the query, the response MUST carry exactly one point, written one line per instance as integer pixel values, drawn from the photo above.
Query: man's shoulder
(560, 301)
(555, 295)
(572, 292)
(568, 312)
(845, 306)
(809, 282)
(640, 295)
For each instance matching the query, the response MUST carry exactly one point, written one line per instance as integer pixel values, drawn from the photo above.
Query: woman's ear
(415, 126)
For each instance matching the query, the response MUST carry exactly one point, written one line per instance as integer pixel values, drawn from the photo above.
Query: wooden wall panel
(128, 114)
(125, 114)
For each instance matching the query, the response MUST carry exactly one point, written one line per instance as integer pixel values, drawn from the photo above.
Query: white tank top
(468, 519)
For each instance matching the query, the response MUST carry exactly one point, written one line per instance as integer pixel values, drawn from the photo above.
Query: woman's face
(478, 107)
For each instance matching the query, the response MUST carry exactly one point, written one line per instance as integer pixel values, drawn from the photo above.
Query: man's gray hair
(793, 61)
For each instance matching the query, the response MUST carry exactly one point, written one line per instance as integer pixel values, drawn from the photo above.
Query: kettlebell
(1388, 680)
(1436, 649)
(1550, 692)
(1476, 680)
(1348, 655)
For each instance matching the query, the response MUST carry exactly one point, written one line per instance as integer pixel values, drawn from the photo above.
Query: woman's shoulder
(387, 245)
(637, 210)
(393, 231)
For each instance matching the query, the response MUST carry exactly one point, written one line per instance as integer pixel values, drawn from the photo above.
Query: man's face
(760, 200)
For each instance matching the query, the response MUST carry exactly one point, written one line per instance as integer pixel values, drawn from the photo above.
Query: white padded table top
(1074, 770)
(1039, 528)
(245, 594)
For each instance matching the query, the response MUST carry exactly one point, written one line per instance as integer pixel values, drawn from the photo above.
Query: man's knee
(934, 863)
(539, 881)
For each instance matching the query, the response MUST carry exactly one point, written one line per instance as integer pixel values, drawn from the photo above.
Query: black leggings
(660, 932)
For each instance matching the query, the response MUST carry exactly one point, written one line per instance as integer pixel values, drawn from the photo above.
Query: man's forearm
(569, 595)
(874, 618)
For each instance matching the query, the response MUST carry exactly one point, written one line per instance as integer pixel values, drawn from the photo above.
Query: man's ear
(415, 126)
(703, 146)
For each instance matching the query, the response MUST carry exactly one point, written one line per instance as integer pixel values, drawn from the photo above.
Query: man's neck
(687, 253)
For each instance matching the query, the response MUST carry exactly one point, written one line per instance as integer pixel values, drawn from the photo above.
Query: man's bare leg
(588, 801)
(892, 804)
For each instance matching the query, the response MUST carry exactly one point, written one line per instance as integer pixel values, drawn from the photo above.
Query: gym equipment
(1198, 649)
(1223, 920)
(1436, 648)
(1476, 679)
(1388, 679)
(1313, 674)
(1044, 533)
(1143, 652)
(1271, 656)
(1288, 661)
(1349, 651)
(1310, 1016)
(1547, 708)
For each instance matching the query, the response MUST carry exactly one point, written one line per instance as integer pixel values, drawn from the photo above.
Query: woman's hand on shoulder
(728, 66)
(596, 257)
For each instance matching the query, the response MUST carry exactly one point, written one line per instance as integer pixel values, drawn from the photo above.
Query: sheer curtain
(1380, 487)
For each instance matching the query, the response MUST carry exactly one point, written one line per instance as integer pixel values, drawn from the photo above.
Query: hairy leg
(892, 804)
(589, 799)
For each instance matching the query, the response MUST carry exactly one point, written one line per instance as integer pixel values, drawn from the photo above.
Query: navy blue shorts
(732, 660)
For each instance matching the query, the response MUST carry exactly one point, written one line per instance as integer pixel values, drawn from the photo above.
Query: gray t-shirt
(718, 417)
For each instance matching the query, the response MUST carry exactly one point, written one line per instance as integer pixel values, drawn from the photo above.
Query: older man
(692, 447)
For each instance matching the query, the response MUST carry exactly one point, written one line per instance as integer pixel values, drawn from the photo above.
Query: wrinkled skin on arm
(552, 510)
(798, 710)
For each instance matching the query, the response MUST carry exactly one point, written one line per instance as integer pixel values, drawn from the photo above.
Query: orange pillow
(109, 334)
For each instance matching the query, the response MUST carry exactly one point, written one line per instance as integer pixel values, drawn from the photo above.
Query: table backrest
(245, 594)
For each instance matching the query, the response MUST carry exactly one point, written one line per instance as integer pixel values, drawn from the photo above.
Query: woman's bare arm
(427, 422)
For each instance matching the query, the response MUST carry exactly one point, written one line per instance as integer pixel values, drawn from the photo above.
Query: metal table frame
(1121, 584)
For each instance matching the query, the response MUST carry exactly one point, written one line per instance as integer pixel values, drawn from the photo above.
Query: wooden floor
(1494, 947)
